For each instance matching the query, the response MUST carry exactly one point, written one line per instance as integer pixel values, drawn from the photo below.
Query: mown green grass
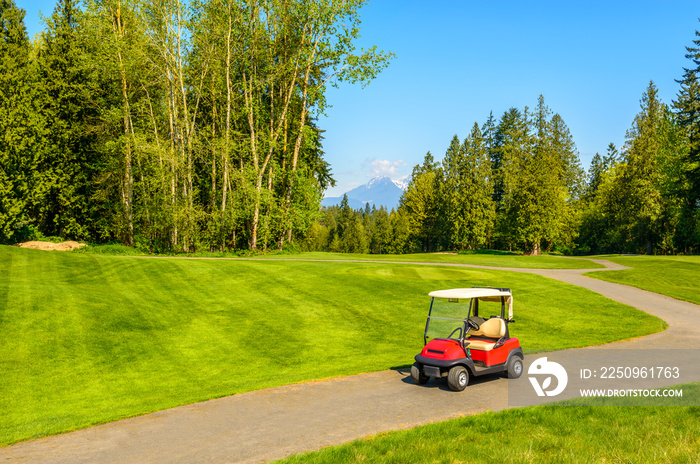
(480, 257)
(538, 434)
(483, 258)
(109, 249)
(674, 276)
(88, 339)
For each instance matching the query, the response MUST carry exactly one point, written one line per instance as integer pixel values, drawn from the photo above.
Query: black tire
(419, 378)
(515, 367)
(458, 378)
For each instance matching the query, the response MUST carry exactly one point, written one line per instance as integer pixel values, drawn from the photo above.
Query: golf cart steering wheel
(475, 322)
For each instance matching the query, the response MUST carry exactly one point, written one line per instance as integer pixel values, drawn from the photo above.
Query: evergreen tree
(401, 228)
(345, 219)
(566, 158)
(422, 204)
(511, 145)
(19, 124)
(355, 238)
(640, 198)
(537, 198)
(543, 177)
(612, 157)
(597, 231)
(687, 109)
(383, 232)
(472, 206)
(66, 167)
(452, 191)
(488, 130)
(595, 176)
(572, 176)
(642, 205)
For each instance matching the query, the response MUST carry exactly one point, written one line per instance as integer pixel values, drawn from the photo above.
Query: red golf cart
(460, 341)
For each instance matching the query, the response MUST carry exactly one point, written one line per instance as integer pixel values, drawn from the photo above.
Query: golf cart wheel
(419, 378)
(458, 378)
(515, 367)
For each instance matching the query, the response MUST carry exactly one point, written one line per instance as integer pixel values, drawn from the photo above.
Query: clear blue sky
(458, 60)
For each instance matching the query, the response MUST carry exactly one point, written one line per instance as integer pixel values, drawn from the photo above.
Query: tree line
(517, 184)
(509, 184)
(183, 127)
(172, 126)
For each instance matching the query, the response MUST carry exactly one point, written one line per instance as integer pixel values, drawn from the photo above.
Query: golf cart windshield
(446, 319)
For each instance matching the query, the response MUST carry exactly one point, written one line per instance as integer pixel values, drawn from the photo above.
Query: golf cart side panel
(496, 355)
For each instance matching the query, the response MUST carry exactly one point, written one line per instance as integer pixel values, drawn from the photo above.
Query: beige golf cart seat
(493, 328)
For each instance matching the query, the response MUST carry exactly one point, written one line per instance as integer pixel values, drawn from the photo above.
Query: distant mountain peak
(379, 191)
(402, 182)
(377, 181)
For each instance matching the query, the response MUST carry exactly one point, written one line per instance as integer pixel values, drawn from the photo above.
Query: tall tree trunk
(128, 180)
(298, 141)
(534, 249)
(228, 113)
(278, 117)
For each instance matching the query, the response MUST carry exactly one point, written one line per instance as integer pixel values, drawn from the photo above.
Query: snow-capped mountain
(378, 191)
(402, 182)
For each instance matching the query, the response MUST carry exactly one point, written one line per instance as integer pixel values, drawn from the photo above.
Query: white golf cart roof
(483, 294)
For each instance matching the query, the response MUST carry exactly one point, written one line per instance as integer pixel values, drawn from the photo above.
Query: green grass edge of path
(674, 276)
(576, 433)
(89, 339)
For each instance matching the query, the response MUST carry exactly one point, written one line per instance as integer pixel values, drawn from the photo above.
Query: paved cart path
(273, 423)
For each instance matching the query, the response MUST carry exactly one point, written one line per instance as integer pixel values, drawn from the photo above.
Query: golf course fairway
(89, 339)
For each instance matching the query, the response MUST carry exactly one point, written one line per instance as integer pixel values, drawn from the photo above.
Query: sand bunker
(63, 246)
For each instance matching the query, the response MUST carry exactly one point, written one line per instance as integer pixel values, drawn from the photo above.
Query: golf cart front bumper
(440, 367)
